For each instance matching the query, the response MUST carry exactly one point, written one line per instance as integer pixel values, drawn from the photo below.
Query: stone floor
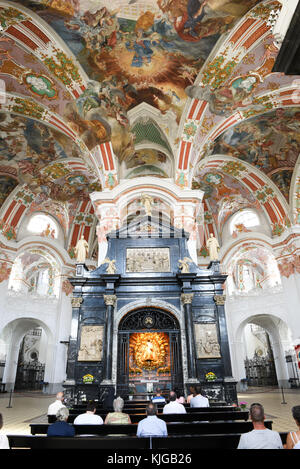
(32, 407)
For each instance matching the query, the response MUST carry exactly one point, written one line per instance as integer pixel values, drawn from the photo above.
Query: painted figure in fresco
(81, 250)
(142, 48)
(195, 11)
(213, 247)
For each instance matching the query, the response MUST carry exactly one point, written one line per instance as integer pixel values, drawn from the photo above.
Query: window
(245, 218)
(43, 225)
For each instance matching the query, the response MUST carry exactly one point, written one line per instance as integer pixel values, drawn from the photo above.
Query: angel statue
(147, 201)
(111, 268)
(184, 265)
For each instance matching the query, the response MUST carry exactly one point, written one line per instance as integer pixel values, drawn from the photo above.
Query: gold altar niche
(149, 355)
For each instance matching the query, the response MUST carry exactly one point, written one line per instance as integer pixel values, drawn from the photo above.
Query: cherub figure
(111, 268)
(184, 265)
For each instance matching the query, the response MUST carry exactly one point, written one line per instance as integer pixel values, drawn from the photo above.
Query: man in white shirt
(56, 405)
(89, 418)
(260, 437)
(199, 400)
(151, 425)
(174, 407)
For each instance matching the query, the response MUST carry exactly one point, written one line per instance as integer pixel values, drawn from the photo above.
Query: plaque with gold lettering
(148, 260)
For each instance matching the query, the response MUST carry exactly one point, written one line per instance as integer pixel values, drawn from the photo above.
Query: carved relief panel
(206, 338)
(91, 343)
(148, 260)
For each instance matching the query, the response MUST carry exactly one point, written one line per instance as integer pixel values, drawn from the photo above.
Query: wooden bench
(173, 442)
(179, 428)
(189, 417)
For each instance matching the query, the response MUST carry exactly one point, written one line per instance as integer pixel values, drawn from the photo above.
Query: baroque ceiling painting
(270, 142)
(98, 92)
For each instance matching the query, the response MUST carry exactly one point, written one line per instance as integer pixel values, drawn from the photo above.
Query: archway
(23, 369)
(149, 351)
(265, 364)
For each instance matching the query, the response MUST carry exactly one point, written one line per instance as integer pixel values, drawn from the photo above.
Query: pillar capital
(76, 301)
(110, 300)
(219, 299)
(187, 298)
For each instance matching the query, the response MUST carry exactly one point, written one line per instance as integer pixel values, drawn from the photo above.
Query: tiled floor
(32, 407)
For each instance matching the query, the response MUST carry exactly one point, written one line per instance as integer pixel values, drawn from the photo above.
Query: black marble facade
(97, 296)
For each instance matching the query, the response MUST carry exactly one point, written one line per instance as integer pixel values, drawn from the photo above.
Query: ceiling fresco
(135, 52)
(41, 156)
(224, 194)
(7, 185)
(270, 142)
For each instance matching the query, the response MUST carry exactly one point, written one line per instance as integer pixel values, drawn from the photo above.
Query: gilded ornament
(149, 350)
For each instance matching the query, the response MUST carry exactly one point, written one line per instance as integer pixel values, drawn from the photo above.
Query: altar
(149, 323)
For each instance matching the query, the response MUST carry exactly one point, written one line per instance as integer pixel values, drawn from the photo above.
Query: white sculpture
(111, 268)
(147, 201)
(81, 250)
(213, 248)
(184, 265)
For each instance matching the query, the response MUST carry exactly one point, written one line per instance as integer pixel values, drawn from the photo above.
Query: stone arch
(154, 303)
(11, 337)
(280, 339)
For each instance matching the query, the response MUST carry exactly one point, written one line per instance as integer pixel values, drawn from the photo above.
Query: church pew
(179, 428)
(173, 442)
(86, 442)
(130, 410)
(189, 417)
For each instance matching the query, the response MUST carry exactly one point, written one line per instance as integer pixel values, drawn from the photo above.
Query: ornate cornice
(187, 298)
(219, 299)
(110, 300)
(76, 301)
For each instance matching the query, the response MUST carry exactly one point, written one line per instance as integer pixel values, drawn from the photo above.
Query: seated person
(174, 407)
(180, 396)
(198, 400)
(191, 395)
(293, 438)
(260, 437)
(117, 417)
(61, 427)
(89, 418)
(158, 397)
(57, 404)
(4, 443)
(151, 425)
